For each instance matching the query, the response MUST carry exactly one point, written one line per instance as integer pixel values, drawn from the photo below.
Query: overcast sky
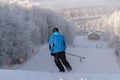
(75, 3)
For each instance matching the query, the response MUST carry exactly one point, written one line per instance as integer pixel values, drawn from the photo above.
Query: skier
(57, 46)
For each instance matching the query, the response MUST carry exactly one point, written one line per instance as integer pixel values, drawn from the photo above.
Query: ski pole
(76, 56)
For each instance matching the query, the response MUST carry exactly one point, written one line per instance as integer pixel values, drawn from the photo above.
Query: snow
(28, 75)
(99, 64)
(85, 43)
(56, 76)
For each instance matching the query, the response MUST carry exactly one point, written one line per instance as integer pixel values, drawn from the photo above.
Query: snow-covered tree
(114, 21)
(24, 25)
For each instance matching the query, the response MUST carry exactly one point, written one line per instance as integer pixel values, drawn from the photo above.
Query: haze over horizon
(75, 3)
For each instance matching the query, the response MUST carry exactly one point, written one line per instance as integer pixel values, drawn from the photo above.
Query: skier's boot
(61, 70)
(69, 68)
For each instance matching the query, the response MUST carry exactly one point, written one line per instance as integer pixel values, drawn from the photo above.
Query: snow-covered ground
(32, 75)
(99, 64)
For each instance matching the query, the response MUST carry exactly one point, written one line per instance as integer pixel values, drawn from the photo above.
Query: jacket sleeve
(65, 42)
(51, 44)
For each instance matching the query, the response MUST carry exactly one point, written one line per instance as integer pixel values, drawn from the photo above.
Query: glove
(52, 54)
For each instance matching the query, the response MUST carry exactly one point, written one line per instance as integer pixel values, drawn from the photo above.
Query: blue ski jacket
(57, 43)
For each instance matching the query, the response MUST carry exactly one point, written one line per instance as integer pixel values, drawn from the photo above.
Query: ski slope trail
(98, 58)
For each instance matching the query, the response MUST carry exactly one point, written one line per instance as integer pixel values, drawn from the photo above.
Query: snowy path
(98, 60)
(33, 75)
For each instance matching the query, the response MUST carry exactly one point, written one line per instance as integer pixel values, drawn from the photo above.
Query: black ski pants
(60, 60)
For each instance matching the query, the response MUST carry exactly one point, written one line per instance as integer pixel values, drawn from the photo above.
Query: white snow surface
(99, 64)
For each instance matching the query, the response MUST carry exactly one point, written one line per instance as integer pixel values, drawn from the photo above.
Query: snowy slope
(102, 62)
(99, 59)
(83, 42)
(31, 75)
(99, 64)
